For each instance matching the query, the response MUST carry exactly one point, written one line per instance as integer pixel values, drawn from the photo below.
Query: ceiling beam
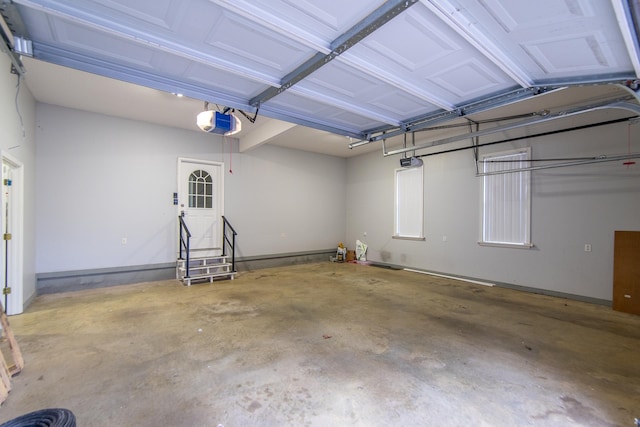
(264, 133)
(355, 34)
(274, 112)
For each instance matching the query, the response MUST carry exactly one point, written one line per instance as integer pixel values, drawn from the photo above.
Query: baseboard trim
(67, 281)
(550, 293)
(484, 282)
(281, 260)
(75, 280)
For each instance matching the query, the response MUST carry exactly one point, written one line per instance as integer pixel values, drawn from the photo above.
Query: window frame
(525, 205)
(397, 216)
(198, 180)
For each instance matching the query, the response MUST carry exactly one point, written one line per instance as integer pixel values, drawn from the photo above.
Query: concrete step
(203, 269)
(197, 261)
(196, 268)
(210, 277)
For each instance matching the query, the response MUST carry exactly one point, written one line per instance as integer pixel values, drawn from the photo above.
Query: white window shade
(506, 199)
(409, 203)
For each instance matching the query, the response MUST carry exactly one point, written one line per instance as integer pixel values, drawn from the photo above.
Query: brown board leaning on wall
(626, 272)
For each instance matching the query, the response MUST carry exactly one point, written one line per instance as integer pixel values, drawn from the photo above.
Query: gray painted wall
(571, 207)
(22, 148)
(102, 178)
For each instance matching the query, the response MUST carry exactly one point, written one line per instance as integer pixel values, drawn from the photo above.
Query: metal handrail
(184, 243)
(231, 243)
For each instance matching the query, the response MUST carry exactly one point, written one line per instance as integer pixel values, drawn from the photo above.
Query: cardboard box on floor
(351, 255)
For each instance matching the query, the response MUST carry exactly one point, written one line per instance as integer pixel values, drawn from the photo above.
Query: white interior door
(201, 203)
(11, 252)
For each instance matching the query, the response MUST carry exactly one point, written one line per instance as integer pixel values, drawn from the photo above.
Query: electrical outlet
(364, 234)
(124, 240)
(444, 238)
(587, 248)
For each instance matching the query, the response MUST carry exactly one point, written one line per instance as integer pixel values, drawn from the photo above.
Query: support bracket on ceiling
(633, 87)
(422, 122)
(7, 46)
(620, 103)
(354, 35)
(16, 63)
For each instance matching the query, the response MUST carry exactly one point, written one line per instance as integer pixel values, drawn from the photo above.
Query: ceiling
(58, 85)
(321, 74)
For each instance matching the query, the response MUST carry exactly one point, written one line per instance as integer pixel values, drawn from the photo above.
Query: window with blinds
(506, 199)
(409, 204)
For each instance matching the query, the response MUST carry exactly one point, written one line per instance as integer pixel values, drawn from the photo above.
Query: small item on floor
(351, 255)
(361, 251)
(341, 253)
(326, 337)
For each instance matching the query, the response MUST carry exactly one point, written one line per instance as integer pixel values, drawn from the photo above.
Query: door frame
(219, 189)
(15, 267)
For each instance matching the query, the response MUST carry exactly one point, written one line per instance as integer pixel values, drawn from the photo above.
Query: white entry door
(12, 227)
(201, 203)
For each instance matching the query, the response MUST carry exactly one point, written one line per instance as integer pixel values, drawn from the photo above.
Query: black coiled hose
(54, 417)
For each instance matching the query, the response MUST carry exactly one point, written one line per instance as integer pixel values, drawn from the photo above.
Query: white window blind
(409, 203)
(506, 199)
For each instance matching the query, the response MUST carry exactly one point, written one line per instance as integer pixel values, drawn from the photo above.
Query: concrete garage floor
(326, 345)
